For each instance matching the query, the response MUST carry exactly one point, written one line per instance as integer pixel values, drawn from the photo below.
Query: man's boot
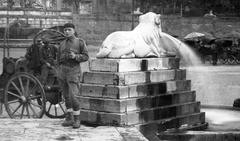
(68, 120)
(76, 121)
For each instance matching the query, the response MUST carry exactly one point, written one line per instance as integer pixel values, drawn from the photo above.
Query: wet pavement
(222, 119)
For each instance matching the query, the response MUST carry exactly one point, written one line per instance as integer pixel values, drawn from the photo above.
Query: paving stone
(130, 133)
(51, 130)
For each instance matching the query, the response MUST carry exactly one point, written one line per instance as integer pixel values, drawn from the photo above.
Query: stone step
(136, 104)
(130, 91)
(128, 78)
(139, 117)
(133, 64)
(174, 122)
(153, 114)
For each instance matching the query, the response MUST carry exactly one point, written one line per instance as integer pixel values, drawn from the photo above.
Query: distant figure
(215, 53)
(48, 4)
(137, 12)
(210, 14)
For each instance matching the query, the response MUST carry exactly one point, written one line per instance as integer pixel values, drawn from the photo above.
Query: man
(32, 55)
(214, 53)
(72, 51)
(47, 56)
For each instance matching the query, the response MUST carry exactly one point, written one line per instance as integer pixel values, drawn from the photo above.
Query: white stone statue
(146, 40)
(143, 41)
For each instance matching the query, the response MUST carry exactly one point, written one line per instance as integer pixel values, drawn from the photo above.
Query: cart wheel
(231, 60)
(222, 59)
(55, 110)
(55, 105)
(24, 97)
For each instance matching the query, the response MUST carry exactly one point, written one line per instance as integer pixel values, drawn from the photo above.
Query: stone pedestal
(150, 93)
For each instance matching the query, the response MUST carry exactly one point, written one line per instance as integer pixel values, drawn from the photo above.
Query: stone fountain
(136, 80)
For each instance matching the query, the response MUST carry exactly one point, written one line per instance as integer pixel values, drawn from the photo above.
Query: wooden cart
(21, 91)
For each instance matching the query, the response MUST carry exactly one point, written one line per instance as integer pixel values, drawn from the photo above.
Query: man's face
(69, 32)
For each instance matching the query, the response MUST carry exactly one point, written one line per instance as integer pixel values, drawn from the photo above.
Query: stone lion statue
(145, 40)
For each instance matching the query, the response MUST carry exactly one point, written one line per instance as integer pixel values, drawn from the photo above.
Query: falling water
(186, 54)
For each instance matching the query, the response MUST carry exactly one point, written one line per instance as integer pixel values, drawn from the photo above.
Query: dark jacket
(76, 45)
(32, 55)
(48, 53)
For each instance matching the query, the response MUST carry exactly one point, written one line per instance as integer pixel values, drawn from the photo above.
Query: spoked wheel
(223, 59)
(55, 105)
(55, 110)
(231, 59)
(24, 97)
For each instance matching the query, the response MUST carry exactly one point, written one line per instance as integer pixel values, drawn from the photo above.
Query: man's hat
(69, 25)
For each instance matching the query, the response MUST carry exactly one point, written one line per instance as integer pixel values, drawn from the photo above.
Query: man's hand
(72, 55)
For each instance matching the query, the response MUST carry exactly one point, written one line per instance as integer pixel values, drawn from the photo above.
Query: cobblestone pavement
(51, 130)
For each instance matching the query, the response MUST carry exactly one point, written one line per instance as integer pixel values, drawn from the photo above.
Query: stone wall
(95, 29)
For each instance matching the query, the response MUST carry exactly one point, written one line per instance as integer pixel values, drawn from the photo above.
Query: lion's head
(150, 18)
(150, 27)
